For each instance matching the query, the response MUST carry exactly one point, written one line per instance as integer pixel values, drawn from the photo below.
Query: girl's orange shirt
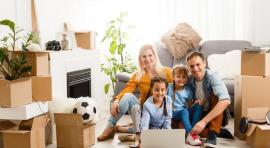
(143, 84)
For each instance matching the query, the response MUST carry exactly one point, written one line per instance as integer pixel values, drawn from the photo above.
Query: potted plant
(118, 60)
(15, 90)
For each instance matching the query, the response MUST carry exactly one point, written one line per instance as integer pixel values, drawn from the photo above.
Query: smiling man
(207, 85)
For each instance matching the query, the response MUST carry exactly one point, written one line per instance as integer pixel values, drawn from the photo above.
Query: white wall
(261, 22)
(18, 11)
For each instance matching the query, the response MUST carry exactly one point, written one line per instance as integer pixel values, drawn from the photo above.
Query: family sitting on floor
(197, 100)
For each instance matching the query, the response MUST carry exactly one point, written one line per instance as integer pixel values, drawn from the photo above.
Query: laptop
(160, 138)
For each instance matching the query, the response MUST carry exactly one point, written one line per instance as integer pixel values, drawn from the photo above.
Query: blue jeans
(128, 103)
(189, 117)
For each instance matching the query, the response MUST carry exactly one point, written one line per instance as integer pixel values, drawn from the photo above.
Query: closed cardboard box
(258, 135)
(86, 40)
(15, 93)
(255, 63)
(72, 133)
(250, 92)
(31, 134)
(42, 88)
(39, 61)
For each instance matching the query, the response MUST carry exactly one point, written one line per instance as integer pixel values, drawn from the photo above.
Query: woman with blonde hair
(125, 101)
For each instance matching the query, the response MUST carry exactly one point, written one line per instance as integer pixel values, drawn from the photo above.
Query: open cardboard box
(249, 92)
(72, 133)
(30, 134)
(258, 135)
(4, 125)
(39, 61)
(15, 93)
(42, 88)
(86, 39)
(255, 63)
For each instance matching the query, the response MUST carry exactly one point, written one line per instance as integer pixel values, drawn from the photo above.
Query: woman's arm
(129, 88)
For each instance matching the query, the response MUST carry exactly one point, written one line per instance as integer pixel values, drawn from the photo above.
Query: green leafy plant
(118, 61)
(13, 65)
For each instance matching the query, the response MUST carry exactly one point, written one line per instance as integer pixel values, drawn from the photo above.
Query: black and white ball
(87, 109)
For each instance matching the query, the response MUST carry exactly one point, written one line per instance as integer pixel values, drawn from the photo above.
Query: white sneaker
(193, 140)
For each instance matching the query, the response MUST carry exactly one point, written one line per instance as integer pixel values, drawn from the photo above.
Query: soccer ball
(87, 109)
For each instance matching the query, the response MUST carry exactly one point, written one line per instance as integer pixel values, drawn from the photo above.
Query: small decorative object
(87, 109)
(33, 47)
(67, 40)
(36, 37)
(53, 45)
(64, 42)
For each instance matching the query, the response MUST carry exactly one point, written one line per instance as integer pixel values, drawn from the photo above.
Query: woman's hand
(115, 108)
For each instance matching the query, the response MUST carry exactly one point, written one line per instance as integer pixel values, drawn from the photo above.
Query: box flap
(264, 127)
(15, 131)
(6, 125)
(34, 123)
(26, 124)
(250, 129)
(39, 122)
(258, 113)
(68, 119)
(20, 80)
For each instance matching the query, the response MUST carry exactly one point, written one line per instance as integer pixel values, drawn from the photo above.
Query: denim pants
(189, 117)
(128, 103)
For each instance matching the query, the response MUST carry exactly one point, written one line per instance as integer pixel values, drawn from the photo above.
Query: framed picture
(67, 40)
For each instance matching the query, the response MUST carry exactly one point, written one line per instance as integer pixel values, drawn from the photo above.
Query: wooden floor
(115, 143)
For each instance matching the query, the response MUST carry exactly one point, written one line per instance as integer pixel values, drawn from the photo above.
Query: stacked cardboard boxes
(17, 97)
(41, 79)
(251, 88)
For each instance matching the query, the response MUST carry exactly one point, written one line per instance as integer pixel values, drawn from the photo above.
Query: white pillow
(228, 65)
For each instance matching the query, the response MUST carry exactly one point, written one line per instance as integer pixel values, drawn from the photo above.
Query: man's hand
(199, 101)
(198, 127)
(115, 108)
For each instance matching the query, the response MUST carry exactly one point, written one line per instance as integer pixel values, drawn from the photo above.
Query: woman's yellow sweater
(143, 84)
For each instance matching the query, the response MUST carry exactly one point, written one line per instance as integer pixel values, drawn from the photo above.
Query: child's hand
(199, 101)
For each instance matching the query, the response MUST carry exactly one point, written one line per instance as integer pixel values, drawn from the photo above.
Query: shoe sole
(126, 138)
(209, 145)
(194, 145)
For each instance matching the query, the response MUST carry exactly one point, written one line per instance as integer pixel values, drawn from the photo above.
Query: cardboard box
(250, 92)
(72, 133)
(41, 88)
(86, 40)
(258, 135)
(39, 61)
(255, 63)
(24, 112)
(31, 134)
(16, 92)
(4, 125)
